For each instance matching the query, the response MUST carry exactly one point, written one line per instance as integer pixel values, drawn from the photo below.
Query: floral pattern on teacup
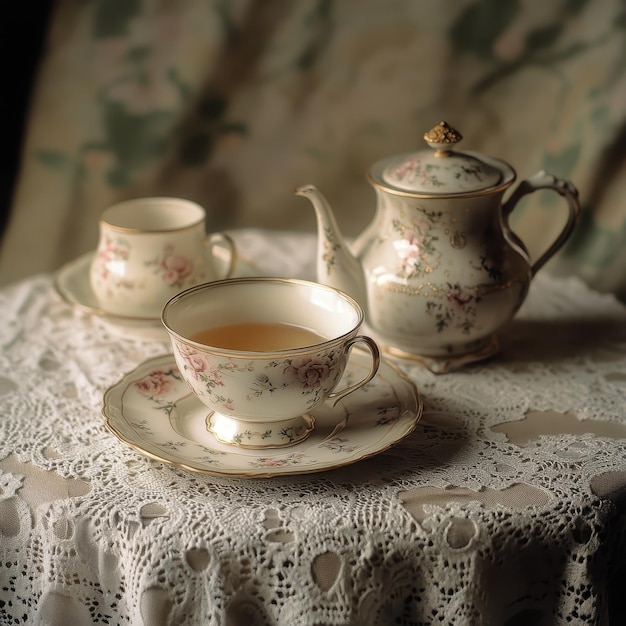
(209, 374)
(174, 268)
(201, 367)
(112, 251)
(310, 374)
(311, 371)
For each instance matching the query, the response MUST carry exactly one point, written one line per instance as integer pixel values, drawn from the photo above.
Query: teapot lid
(443, 170)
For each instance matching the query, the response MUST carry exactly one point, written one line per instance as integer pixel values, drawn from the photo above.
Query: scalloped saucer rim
(151, 410)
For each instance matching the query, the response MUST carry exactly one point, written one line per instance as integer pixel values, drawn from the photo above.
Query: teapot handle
(543, 180)
(216, 242)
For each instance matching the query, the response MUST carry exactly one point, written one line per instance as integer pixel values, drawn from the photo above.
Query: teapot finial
(441, 138)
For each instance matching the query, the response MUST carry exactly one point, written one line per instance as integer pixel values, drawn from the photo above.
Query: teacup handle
(543, 180)
(371, 345)
(222, 239)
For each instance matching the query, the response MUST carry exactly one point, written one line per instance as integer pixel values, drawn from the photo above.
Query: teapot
(439, 271)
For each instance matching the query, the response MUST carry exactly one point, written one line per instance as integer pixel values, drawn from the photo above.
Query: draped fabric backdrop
(234, 103)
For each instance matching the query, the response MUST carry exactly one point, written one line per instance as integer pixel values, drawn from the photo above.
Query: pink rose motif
(193, 359)
(410, 167)
(114, 250)
(199, 365)
(460, 298)
(196, 363)
(274, 462)
(155, 384)
(186, 350)
(410, 250)
(176, 267)
(108, 251)
(310, 371)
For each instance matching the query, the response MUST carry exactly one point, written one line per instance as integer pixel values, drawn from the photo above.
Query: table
(506, 505)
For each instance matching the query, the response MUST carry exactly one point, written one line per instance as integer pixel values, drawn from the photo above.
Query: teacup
(263, 353)
(151, 249)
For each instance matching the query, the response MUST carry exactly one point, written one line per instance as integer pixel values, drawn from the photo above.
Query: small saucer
(73, 284)
(152, 410)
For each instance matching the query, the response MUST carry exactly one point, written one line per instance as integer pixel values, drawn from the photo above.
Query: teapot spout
(336, 265)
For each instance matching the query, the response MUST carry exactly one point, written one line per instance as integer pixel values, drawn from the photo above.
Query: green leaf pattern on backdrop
(234, 104)
(479, 25)
(133, 139)
(112, 17)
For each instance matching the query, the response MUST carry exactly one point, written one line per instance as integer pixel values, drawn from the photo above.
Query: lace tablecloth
(505, 506)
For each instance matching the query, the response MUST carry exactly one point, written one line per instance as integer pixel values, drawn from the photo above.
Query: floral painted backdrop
(234, 103)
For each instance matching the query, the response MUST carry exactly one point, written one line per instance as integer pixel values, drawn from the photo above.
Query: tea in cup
(262, 353)
(151, 249)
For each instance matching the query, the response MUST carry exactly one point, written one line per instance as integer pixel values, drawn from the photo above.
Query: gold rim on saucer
(152, 411)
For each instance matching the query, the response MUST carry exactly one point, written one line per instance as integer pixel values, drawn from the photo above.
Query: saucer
(152, 410)
(73, 284)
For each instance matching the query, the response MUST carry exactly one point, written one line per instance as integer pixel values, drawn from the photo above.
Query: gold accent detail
(419, 412)
(443, 133)
(403, 289)
(458, 240)
(447, 364)
(252, 356)
(489, 191)
(309, 421)
(132, 230)
(431, 290)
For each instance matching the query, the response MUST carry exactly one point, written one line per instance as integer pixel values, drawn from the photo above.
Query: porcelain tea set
(149, 250)
(436, 275)
(439, 270)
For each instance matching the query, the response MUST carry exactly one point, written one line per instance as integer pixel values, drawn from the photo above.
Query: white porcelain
(73, 284)
(265, 399)
(149, 249)
(152, 410)
(439, 271)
